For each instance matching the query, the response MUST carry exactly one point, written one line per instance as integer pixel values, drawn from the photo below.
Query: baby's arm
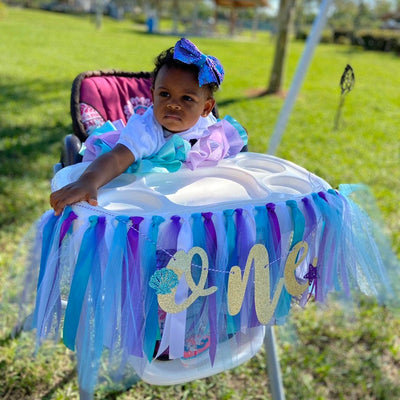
(97, 174)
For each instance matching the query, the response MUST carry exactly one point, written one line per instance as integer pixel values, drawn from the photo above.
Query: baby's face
(178, 100)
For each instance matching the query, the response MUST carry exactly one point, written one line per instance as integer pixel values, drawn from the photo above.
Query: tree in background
(383, 7)
(350, 15)
(285, 17)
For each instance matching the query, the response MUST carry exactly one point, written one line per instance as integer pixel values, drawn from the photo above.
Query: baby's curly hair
(166, 58)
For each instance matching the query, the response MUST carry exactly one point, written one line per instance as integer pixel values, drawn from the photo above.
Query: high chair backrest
(100, 96)
(109, 95)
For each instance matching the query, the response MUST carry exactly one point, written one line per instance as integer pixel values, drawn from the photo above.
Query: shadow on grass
(32, 129)
(66, 379)
(252, 94)
(24, 139)
(30, 93)
(22, 146)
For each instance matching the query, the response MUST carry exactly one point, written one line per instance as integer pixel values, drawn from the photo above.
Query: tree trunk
(99, 13)
(286, 9)
(176, 16)
(233, 20)
(255, 21)
(196, 27)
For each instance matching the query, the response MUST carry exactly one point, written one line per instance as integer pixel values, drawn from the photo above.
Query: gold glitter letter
(265, 308)
(291, 284)
(181, 264)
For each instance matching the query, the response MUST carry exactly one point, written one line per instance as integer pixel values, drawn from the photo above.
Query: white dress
(144, 135)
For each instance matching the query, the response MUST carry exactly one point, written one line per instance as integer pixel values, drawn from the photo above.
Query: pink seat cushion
(116, 97)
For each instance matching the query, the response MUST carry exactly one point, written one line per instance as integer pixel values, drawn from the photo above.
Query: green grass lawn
(324, 354)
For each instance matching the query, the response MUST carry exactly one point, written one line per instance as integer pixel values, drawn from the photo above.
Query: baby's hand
(97, 174)
(73, 193)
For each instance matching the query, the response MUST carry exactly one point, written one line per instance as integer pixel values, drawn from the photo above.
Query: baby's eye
(187, 98)
(164, 94)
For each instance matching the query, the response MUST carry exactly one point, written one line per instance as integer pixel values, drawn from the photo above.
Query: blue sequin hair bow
(210, 69)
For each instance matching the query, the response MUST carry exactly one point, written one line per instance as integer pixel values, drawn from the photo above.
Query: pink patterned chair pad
(108, 96)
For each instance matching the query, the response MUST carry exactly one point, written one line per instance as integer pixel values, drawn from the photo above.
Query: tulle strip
(100, 266)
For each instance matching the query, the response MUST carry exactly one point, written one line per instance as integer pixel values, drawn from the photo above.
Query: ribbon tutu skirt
(173, 277)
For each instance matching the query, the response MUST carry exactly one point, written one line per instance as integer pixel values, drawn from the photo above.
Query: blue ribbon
(86, 259)
(54, 228)
(210, 69)
(151, 329)
(233, 322)
(47, 242)
(215, 298)
(113, 281)
(263, 233)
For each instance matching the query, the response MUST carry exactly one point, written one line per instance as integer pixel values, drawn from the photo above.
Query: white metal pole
(273, 366)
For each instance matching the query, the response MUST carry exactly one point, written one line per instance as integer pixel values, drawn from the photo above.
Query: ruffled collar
(196, 131)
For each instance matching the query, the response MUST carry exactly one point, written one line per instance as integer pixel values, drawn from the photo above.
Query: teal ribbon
(242, 132)
(47, 243)
(151, 329)
(333, 209)
(108, 126)
(113, 281)
(233, 322)
(48, 236)
(298, 224)
(168, 159)
(86, 258)
(263, 232)
(54, 231)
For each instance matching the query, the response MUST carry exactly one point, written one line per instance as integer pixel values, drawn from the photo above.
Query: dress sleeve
(142, 135)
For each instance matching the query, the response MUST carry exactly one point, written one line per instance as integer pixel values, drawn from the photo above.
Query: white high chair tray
(248, 178)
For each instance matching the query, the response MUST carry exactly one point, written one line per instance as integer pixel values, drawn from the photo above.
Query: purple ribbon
(66, 225)
(211, 235)
(311, 218)
(134, 316)
(276, 232)
(211, 244)
(242, 245)
(248, 314)
(312, 225)
(210, 69)
(175, 229)
(274, 246)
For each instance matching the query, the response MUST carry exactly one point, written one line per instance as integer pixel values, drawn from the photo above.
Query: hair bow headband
(210, 69)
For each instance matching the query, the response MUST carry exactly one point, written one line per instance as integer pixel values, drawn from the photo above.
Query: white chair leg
(273, 367)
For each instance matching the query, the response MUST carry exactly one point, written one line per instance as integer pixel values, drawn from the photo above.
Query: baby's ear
(152, 94)
(208, 106)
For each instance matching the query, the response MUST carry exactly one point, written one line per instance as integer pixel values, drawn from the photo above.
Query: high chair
(176, 276)
(101, 96)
